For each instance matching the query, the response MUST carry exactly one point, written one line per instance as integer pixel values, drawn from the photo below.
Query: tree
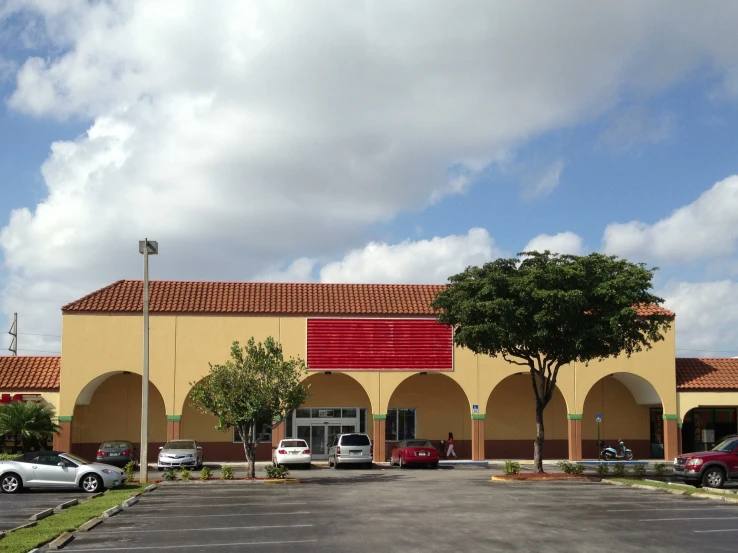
(29, 423)
(544, 311)
(254, 388)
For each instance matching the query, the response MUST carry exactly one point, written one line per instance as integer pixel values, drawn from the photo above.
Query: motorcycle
(610, 453)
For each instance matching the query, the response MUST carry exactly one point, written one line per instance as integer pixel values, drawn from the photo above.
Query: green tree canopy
(255, 387)
(29, 423)
(544, 311)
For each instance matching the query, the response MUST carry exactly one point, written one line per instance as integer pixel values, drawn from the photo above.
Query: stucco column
(575, 437)
(63, 440)
(477, 431)
(380, 449)
(174, 424)
(278, 434)
(671, 436)
(679, 427)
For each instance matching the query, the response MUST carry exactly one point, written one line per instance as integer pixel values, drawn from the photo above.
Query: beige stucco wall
(52, 398)
(690, 400)
(181, 347)
(622, 417)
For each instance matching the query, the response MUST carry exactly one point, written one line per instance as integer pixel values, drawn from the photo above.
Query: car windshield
(726, 446)
(115, 445)
(181, 444)
(294, 443)
(418, 443)
(77, 459)
(355, 439)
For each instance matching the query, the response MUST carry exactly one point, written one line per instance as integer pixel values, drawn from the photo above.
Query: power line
(44, 335)
(40, 351)
(711, 350)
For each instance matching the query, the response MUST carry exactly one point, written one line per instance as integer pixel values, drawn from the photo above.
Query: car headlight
(695, 462)
(108, 471)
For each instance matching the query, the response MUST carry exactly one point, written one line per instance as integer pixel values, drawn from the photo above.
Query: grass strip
(687, 489)
(68, 520)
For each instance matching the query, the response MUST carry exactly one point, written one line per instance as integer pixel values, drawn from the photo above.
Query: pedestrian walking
(450, 451)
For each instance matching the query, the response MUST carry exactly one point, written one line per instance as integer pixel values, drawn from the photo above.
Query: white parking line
(712, 531)
(227, 528)
(227, 515)
(726, 508)
(146, 504)
(140, 548)
(688, 518)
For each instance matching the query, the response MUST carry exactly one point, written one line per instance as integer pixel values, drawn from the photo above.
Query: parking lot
(15, 509)
(414, 510)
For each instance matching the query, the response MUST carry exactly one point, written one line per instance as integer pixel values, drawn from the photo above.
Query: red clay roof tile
(125, 296)
(716, 373)
(29, 373)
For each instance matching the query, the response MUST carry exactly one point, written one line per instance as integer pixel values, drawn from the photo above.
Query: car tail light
(338, 450)
(282, 451)
(126, 452)
(100, 453)
(306, 452)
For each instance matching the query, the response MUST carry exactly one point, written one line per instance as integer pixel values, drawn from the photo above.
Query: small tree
(255, 387)
(544, 311)
(29, 423)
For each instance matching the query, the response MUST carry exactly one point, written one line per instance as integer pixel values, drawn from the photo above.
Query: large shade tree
(29, 423)
(255, 388)
(545, 311)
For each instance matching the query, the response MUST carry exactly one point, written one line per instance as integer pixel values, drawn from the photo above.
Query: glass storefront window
(302, 413)
(705, 427)
(657, 433)
(400, 424)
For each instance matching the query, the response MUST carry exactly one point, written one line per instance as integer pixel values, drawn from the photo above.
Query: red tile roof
(716, 373)
(29, 373)
(125, 296)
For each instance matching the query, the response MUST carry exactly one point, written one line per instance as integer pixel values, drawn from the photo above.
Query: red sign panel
(379, 344)
(23, 398)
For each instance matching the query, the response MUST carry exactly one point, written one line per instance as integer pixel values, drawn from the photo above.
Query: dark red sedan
(414, 452)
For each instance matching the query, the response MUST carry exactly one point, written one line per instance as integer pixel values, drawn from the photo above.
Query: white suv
(350, 449)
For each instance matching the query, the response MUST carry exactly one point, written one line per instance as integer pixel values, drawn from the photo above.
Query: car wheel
(91, 483)
(11, 483)
(335, 464)
(713, 477)
(399, 462)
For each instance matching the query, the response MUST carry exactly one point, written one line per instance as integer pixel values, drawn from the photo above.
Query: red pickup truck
(710, 468)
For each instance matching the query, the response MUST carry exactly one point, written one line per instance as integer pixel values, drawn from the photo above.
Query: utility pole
(14, 333)
(146, 247)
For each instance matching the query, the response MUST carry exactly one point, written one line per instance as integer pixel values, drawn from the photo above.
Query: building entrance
(319, 426)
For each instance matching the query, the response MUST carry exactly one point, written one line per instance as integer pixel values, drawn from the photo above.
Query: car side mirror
(162, 447)
(61, 464)
(199, 448)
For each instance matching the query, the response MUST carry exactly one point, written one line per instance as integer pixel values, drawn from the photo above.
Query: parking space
(414, 510)
(15, 509)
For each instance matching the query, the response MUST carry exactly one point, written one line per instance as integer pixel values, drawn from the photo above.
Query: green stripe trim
(478, 416)
(671, 417)
(679, 424)
(174, 418)
(379, 417)
(574, 417)
(65, 418)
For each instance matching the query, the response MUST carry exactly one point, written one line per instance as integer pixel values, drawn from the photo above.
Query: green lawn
(69, 519)
(688, 490)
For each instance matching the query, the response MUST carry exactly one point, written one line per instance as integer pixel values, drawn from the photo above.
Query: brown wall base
(523, 449)
(212, 451)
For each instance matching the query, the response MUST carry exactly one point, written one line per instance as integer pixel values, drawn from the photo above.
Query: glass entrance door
(321, 436)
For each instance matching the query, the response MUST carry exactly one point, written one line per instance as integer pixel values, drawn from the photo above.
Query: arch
(631, 410)
(440, 406)
(510, 422)
(109, 408)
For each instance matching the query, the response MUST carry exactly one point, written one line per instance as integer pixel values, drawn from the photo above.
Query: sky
(376, 142)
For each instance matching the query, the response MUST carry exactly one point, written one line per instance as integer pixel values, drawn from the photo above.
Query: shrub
(186, 474)
(170, 475)
(640, 470)
(565, 466)
(603, 469)
(129, 469)
(205, 473)
(619, 469)
(8, 456)
(226, 472)
(660, 469)
(577, 469)
(276, 472)
(512, 467)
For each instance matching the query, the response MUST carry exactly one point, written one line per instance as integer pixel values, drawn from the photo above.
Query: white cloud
(300, 270)
(243, 134)
(635, 126)
(563, 243)
(413, 262)
(544, 182)
(707, 317)
(706, 228)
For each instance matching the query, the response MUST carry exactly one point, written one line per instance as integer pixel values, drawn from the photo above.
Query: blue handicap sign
(598, 416)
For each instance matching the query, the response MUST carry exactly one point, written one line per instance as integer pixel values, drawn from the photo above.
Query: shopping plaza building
(378, 363)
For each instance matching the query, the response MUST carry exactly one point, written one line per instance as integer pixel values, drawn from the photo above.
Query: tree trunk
(538, 445)
(248, 450)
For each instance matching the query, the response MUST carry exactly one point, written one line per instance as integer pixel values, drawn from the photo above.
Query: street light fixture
(146, 247)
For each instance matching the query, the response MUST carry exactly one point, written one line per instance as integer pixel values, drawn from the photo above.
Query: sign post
(598, 417)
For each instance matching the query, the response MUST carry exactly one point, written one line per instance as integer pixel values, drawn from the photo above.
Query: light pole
(147, 248)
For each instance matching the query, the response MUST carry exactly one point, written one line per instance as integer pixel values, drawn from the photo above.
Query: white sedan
(292, 452)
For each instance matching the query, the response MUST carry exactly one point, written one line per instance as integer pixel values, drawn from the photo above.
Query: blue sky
(371, 145)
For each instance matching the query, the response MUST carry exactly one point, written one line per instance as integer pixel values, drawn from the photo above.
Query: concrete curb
(151, 488)
(93, 496)
(61, 541)
(726, 495)
(281, 481)
(67, 504)
(90, 524)
(2, 535)
(128, 502)
(42, 514)
(112, 511)
(22, 526)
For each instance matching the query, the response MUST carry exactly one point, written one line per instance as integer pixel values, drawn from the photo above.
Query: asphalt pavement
(15, 509)
(366, 511)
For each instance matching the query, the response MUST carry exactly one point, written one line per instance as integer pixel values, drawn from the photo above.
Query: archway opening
(510, 424)
(630, 410)
(429, 406)
(109, 408)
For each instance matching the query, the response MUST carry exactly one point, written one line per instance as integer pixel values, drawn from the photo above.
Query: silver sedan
(54, 469)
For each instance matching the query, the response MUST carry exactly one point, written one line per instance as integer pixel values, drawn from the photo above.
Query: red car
(710, 468)
(414, 452)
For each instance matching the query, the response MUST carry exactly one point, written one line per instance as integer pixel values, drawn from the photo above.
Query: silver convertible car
(54, 469)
